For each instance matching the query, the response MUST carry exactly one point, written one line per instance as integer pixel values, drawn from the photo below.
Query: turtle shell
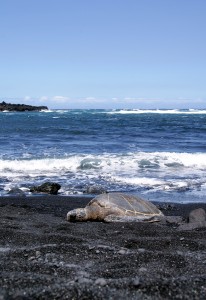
(131, 205)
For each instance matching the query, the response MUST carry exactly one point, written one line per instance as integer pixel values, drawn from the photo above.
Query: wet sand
(42, 256)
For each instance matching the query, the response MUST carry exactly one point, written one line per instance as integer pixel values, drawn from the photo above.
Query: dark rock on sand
(196, 219)
(20, 107)
(197, 215)
(47, 187)
(95, 190)
(16, 192)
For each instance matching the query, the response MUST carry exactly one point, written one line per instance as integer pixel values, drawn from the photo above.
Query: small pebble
(83, 280)
(122, 251)
(91, 247)
(136, 281)
(38, 254)
(32, 258)
(142, 269)
(100, 281)
(141, 250)
(83, 274)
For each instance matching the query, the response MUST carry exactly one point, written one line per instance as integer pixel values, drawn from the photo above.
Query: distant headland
(20, 107)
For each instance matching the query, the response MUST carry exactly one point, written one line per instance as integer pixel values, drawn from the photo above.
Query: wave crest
(141, 170)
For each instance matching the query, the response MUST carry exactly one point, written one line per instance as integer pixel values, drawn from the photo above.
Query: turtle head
(78, 215)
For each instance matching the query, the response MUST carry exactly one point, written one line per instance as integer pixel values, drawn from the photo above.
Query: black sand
(44, 257)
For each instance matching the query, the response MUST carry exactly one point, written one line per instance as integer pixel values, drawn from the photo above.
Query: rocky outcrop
(47, 187)
(94, 189)
(196, 219)
(16, 192)
(20, 107)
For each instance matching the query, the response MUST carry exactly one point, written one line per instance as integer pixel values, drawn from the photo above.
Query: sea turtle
(117, 207)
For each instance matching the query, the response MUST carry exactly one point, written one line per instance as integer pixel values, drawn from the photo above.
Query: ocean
(159, 155)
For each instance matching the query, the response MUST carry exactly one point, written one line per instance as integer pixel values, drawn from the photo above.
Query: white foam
(139, 181)
(155, 170)
(131, 161)
(161, 184)
(157, 111)
(46, 110)
(62, 111)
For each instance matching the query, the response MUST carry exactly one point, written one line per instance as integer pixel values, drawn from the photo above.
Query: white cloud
(90, 98)
(60, 99)
(43, 99)
(27, 98)
(133, 99)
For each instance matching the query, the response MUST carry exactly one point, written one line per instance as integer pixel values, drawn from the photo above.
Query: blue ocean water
(158, 154)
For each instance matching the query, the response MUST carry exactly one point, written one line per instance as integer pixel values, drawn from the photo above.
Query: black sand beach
(42, 256)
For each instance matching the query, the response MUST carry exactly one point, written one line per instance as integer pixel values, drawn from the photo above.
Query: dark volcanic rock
(20, 107)
(197, 215)
(95, 189)
(16, 192)
(47, 187)
(197, 219)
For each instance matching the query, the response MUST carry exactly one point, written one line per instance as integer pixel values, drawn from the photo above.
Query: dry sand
(42, 256)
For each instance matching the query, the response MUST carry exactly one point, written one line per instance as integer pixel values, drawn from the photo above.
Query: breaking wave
(164, 171)
(157, 111)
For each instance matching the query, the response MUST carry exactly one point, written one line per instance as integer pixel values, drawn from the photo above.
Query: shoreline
(43, 256)
(51, 202)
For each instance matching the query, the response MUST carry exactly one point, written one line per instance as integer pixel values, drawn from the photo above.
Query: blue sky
(103, 54)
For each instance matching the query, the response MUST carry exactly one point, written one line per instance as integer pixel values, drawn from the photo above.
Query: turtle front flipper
(143, 218)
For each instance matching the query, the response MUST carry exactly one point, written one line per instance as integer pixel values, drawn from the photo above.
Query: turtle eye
(80, 216)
